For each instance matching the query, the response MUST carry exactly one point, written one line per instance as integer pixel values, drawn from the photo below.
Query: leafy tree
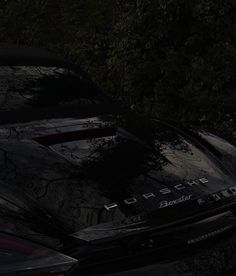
(174, 59)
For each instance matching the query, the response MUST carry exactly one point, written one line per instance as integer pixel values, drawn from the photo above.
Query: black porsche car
(90, 188)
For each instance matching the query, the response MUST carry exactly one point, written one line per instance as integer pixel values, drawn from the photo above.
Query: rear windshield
(27, 87)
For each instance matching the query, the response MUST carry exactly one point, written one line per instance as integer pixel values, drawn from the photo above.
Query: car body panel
(83, 176)
(142, 175)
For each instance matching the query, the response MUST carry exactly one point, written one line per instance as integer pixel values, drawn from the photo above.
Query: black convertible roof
(11, 54)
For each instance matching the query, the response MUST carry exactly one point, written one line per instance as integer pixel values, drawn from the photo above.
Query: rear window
(27, 87)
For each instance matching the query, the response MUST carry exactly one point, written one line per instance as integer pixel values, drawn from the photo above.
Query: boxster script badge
(163, 191)
(166, 203)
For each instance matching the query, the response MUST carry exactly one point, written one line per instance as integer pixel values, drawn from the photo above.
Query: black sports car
(88, 187)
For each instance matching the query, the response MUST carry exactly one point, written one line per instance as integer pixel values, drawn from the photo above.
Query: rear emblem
(163, 191)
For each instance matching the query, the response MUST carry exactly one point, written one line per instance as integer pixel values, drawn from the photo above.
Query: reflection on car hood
(112, 170)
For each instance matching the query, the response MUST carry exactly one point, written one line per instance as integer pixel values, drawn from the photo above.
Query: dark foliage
(174, 59)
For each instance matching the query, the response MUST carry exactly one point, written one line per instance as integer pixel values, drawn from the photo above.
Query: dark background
(174, 59)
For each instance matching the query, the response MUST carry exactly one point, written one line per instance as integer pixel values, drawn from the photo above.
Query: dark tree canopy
(174, 59)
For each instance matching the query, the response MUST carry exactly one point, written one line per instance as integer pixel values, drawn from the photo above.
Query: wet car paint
(95, 172)
(63, 165)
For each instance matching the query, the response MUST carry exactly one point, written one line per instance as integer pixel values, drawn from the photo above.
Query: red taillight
(30, 259)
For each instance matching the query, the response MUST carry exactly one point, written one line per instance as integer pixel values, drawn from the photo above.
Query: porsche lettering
(163, 191)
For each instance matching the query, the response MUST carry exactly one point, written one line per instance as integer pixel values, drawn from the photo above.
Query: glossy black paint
(62, 164)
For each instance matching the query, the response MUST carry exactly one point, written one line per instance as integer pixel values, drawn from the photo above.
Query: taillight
(22, 257)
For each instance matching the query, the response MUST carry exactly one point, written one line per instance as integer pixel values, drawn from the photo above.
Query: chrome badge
(164, 191)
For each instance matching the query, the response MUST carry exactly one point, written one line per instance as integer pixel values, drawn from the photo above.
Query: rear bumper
(205, 246)
(214, 259)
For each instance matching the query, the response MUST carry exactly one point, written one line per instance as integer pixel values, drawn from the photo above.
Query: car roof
(13, 55)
